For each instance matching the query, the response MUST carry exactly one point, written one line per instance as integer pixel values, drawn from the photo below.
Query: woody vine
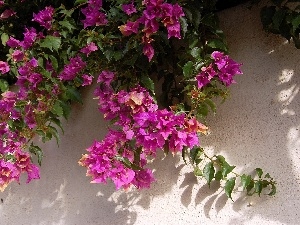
(126, 47)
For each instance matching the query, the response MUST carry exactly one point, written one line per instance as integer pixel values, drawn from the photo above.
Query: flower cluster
(155, 11)
(13, 159)
(4, 67)
(141, 123)
(25, 113)
(222, 66)
(71, 70)
(93, 16)
(7, 13)
(44, 17)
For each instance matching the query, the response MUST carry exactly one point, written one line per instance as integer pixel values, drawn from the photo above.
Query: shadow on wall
(259, 125)
(64, 194)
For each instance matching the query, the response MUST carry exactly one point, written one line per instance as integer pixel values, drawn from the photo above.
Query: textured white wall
(257, 127)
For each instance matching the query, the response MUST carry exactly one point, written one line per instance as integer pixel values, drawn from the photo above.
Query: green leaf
(259, 172)
(193, 44)
(127, 163)
(218, 175)
(37, 151)
(209, 172)
(4, 86)
(148, 82)
(57, 122)
(54, 133)
(211, 20)
(195, 154)
(296, 22)
(41, 62)
(229, 185)
(77, 2)
(196, 19)
(66, 108)
(225, 167)
(273, 190)
(188, 69)
(57, 109)
(249, 187)
(278, 18)
(4, 38)
(51, 43)
(267, 175)
(195, 52)
(197, 171)
(211, 104)
(183, 25)
(48, 75)
(217, 44)
(202, 110)
(183, 153)
(54, 62)
(258, 186)
(67, 24)
(246, 180)
(73, 94)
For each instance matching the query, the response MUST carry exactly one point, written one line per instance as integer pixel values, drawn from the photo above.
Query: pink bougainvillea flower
(106, 77)
(227, 67)
(174, 30)
(93, 17)
(148, 51)
(141, 121)
(87, 80)
(151, 27)
(1, 3)
(7, 13)
(122, 176)
(7, 174)
(129, 28)
(91, 47)
(29, 38)
(129, 8)
(44, 17)
(95, 3)
(204, 77)
(34, 79)
(17, 55)
(13, 43)
(143, 179)
(4, 67)
(71, 70)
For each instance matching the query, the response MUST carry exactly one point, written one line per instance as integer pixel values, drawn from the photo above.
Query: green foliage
(175, 65)
(218, 169)
(209, 172)
(229, 185)
(51, 42)
(282, 17)
(36, 150)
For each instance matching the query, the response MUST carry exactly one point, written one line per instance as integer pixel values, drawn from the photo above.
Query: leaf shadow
(188, 183)
(208, 206)
(206, 191)
(221, 202)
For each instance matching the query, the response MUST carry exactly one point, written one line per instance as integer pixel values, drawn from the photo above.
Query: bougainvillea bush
(132, 50)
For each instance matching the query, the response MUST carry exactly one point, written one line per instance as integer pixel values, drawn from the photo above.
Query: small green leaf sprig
(218, 169)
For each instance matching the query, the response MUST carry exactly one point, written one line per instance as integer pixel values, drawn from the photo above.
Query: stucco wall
(258, 126)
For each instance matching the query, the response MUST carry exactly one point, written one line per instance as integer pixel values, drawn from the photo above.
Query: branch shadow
(64, 194)
(259, 124)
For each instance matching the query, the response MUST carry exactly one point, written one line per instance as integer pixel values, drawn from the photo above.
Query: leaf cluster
(218, 169)
(282, 17)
